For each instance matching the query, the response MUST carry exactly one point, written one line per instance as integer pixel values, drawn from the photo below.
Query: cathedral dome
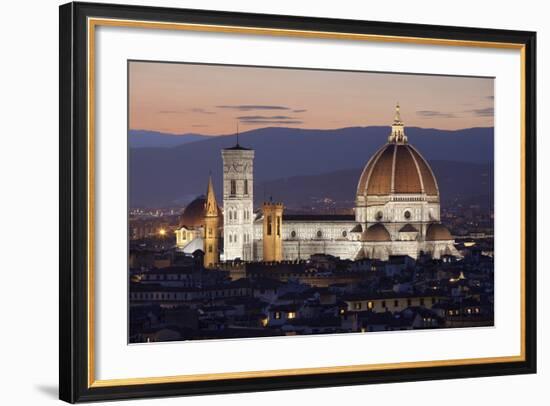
(397, 168)
(194, 213)
(438, 232)
(376, 233)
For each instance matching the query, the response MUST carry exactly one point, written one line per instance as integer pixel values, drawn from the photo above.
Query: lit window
(277, 315)
(369, 305)
(291, 315)
(357, 306)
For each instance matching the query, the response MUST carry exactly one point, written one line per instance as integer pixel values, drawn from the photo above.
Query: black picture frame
(73, 285)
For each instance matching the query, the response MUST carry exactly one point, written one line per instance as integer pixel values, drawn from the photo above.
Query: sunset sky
(211, 99)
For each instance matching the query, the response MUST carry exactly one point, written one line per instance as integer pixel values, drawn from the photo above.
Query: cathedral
(397, 212)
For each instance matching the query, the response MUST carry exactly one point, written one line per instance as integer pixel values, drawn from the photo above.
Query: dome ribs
(379, 182)
(407, 178)
(365, 175)
(430, 184)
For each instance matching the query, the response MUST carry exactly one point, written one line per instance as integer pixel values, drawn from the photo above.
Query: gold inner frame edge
(92, 23)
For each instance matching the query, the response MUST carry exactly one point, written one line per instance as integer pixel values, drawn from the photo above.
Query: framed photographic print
(257, 202)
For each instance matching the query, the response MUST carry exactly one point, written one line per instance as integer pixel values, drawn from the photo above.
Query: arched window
(269, 225)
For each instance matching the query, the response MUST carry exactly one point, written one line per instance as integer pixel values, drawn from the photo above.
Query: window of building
(277, 315)
(344, 233)
(210, 231)
(421, 301)
(357, 306)
(209, 248)
(278, 226)
(409, 302)
(396, 303)
(384, 304)
(319, 234)
(433, 300)
(246, 186)
(268, 225)
(233, 190)
(230, 215)
(407, 214)
(291, 315)
(370, 305)
(293, 234)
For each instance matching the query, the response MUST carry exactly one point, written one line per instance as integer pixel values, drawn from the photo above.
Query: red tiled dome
(397, 168)
(376, 233)
(438, 232)
(194, 213)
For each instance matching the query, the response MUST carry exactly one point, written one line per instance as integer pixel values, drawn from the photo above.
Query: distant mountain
(169, 176)
(464, 181)
(154, 139)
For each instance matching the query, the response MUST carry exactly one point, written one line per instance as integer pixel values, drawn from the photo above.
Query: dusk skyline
(213, 99)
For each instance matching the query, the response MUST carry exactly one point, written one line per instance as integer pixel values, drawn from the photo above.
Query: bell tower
(238, 202)
(211, 228)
